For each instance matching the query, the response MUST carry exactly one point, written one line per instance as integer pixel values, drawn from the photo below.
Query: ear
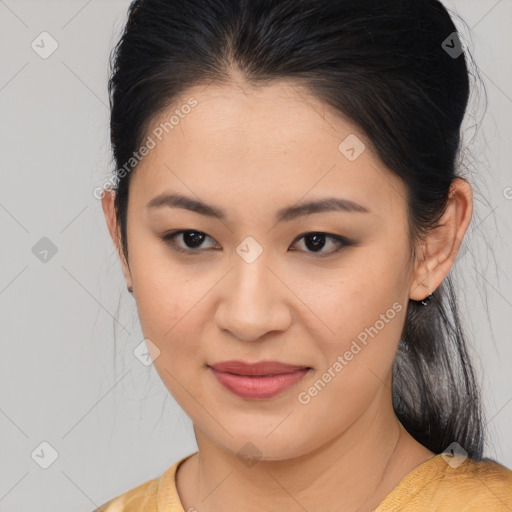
(443, 243)
(107, 203)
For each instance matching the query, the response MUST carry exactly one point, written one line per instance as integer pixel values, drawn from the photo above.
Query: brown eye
(316, 241)
(191, 240)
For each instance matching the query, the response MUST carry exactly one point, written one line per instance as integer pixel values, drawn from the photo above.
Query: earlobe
(443, 242)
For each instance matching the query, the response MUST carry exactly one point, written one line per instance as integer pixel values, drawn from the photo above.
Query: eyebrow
(285, 214)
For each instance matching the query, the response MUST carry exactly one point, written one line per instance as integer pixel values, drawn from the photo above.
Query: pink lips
(257, 380)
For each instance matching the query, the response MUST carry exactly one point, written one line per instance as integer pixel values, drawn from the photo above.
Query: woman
(287, 208)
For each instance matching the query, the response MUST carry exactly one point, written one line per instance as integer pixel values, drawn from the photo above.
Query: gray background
(114, 428)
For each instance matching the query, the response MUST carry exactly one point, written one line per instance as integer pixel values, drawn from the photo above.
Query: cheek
(164, 289)
(356, 362)
(353, 301)
(171, 314)
(167, 297)
(361, 320)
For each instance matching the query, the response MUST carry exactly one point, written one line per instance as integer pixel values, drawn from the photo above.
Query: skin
(251, 152)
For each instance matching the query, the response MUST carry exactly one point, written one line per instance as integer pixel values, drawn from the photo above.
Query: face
(323, 289)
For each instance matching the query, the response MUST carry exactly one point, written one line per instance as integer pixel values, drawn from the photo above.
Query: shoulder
(485, 471)
(446, 485)
(486, 483)
(138, 499)
(472, 485)
(157, 494)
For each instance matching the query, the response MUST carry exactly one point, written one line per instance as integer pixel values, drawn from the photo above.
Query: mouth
(261, 380)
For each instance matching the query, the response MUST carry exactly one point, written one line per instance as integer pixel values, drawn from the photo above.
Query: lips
(259, 369)
(261, 380)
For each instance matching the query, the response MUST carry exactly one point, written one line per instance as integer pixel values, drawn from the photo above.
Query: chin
(256, 444)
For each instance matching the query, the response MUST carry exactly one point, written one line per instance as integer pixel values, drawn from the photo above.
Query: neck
(354, 471)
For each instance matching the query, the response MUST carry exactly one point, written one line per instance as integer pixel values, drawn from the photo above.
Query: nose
(254, 302)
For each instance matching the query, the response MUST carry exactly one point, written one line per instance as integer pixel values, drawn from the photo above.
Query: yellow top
(435, 485)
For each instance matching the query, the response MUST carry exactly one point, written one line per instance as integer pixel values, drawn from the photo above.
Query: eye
(191, 238)
(316, 241)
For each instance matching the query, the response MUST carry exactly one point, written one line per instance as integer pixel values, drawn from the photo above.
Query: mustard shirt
(483, 486)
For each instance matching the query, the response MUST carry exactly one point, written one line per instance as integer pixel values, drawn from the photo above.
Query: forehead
(232, 120)
(260, 142)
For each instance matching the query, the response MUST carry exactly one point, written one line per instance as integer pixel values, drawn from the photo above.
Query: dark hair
(396, 69)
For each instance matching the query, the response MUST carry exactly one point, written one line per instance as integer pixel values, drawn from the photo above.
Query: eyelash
(168, 238)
